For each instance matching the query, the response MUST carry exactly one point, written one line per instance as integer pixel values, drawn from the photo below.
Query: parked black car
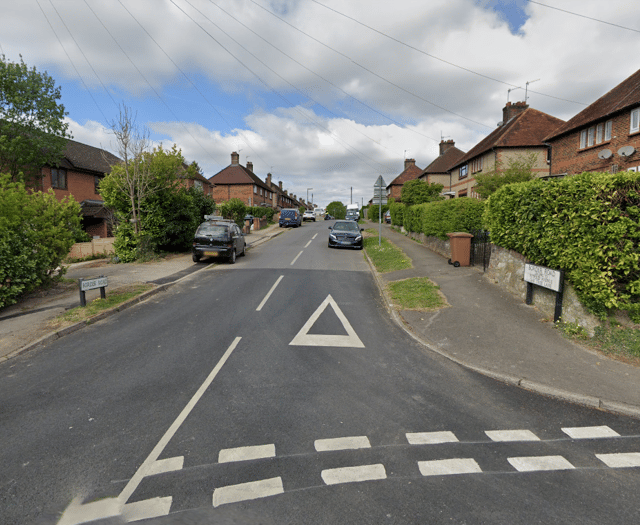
(345, 234)
(218, 238)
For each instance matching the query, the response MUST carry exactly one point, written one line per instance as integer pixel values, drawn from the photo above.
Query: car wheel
(196, 258)
(244, 250)
(232, 257)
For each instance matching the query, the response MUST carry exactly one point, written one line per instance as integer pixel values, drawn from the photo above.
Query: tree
(518, 170)
(418, 191)
(32, 128)
(337, 209)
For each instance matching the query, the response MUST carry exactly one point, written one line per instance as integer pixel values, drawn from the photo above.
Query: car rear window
(214, 230)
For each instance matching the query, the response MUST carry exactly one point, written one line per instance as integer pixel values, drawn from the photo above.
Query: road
(278, 390)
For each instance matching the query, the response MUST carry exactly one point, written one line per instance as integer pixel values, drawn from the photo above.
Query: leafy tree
(418, 191)
(337, 209)
(32, 128)
(517, 170)
(233, 209)
(36, 234)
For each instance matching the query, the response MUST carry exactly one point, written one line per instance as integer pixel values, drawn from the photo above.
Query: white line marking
(447, 467)
(77, 512)
(146, 467)
(431, 438)
(149, 508)
(229, 455)
(511, 435)
(247, 491)
(590, 432)
(296, 258)
(344, 443)
(336, 476)
(314, 236)
(304, 339)
(266, 297)
(620, 460)
(307, 245)
(166, 465)
(534, 463)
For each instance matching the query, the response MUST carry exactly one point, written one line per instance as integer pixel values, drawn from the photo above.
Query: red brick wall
(80, 185)
(567, 157)
(244, 192)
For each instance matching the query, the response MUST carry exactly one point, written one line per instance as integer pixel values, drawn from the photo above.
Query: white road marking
(149, 508)
(431, 438)
(343, 443)
(229, 455)
(314, 236)
(247, 491)
(590, 432)
(621, 459)
(296, 258)
(77, 512)
(166, 465)
(266, 297)
(511, 435)
(148, 463)
(336, 476)
(304, 339)
(307, 245)
(535, 463)
(448, 467)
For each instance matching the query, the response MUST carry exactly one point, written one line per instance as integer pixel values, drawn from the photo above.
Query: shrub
(586, 225)
(233, 209)
(36, 234)
(454, 215)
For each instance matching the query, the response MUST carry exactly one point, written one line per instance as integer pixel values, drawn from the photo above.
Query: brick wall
(80, 185)
(244, 192)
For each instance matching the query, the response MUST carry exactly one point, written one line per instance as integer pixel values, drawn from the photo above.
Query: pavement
(484, 328)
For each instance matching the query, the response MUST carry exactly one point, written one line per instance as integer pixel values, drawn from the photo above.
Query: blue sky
(322, 93)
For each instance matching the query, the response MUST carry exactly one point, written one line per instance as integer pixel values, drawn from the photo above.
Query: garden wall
(96, 246)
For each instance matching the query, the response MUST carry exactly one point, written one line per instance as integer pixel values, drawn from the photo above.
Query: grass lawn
(416, 293)
(387, 257)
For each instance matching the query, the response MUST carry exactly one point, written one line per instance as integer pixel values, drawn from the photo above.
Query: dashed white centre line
(314, 236)
(590, 432)
(431, 438)
(620, 460)
(534, 463)
(229, 455)
(511, 435)
(266, 297)
(336, 476)
(247, 491)
(296, 258)
(344, 443)
(447, 467)
(307, 245)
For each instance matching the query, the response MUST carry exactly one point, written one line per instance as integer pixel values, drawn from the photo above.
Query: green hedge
(439, 218)
(586, 225)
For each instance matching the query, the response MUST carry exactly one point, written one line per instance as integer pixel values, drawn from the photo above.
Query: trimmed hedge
(586, 225)
(439, 218)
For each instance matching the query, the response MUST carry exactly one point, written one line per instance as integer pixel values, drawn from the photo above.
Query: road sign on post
(379, 198)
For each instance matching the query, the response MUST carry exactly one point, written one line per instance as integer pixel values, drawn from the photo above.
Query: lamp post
(308, 190)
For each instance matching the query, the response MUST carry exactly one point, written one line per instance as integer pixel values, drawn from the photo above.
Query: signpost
(379, 198)
(92, 284)
(546, 278)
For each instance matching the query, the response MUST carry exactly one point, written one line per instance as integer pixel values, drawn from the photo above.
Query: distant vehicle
(387, 217)
(218, 238)
(345, 234)
(328, 217)
(309, 216)
(352, 215)
(319, 212)
(290, 217)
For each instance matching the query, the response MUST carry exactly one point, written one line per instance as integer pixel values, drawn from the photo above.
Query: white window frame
(634, 121)
(583, 139)
(591, 136)
(608, 127)
(255, 189)
(599, 132)
(463, 172)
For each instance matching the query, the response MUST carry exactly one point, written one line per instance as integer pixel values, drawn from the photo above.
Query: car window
(346, 226)
(212, 229)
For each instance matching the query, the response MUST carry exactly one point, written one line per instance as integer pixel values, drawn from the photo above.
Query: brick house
(605, 136)
(439, 171)
(239, 182)
(410, 172)
(196, 181)
(520, 134)
(79, 173)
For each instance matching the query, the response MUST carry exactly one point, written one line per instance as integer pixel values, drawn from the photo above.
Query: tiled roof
(526, 129)
(237, 174)
(83, 157)
(624, 96)
(443, 163)
(412, 172)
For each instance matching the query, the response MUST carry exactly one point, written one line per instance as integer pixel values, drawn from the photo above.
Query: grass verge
(416, 293)
(114, 298)
(387, 257)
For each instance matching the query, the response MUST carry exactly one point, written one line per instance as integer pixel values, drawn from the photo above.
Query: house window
(599, 130)
(255, 189)
(260, 192)
(96, 184)
(198, 184)
(635, 121)
(608, 125)
(58, 179)
(583, 139)
(476, 165)
(463, 172)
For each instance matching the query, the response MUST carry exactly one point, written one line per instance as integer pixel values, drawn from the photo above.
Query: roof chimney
(268, 180)
(280, 185)
(511, 110)
(409, 162)
(250, 166)
(445, 145)
(235, 159)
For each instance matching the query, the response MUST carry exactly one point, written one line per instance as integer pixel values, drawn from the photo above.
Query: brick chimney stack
(445, 145)
(511, 110)
(235, 159)
(268, 180)
(250, 166)
(409, 162)
(280, 185)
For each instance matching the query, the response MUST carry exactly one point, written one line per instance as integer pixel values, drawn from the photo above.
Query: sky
(327, 95)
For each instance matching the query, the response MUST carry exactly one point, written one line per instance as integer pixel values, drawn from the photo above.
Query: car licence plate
(210, 254)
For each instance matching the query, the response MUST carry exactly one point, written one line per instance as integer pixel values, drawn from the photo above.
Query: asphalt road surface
(278, 390)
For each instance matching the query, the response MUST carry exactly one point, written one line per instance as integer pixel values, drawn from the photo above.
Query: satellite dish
(605, 154)
(626, 151)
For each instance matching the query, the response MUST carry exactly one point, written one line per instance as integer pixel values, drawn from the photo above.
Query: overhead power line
(583, 16)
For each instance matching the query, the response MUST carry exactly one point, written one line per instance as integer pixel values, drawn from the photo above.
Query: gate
(480, 248)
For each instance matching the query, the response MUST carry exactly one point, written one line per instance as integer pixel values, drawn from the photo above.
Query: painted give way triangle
(351, 340)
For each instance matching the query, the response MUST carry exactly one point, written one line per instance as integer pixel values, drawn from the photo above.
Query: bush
(455, 215)
(261, 211)
(586, 225)
(233, 209)
(36, 234)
